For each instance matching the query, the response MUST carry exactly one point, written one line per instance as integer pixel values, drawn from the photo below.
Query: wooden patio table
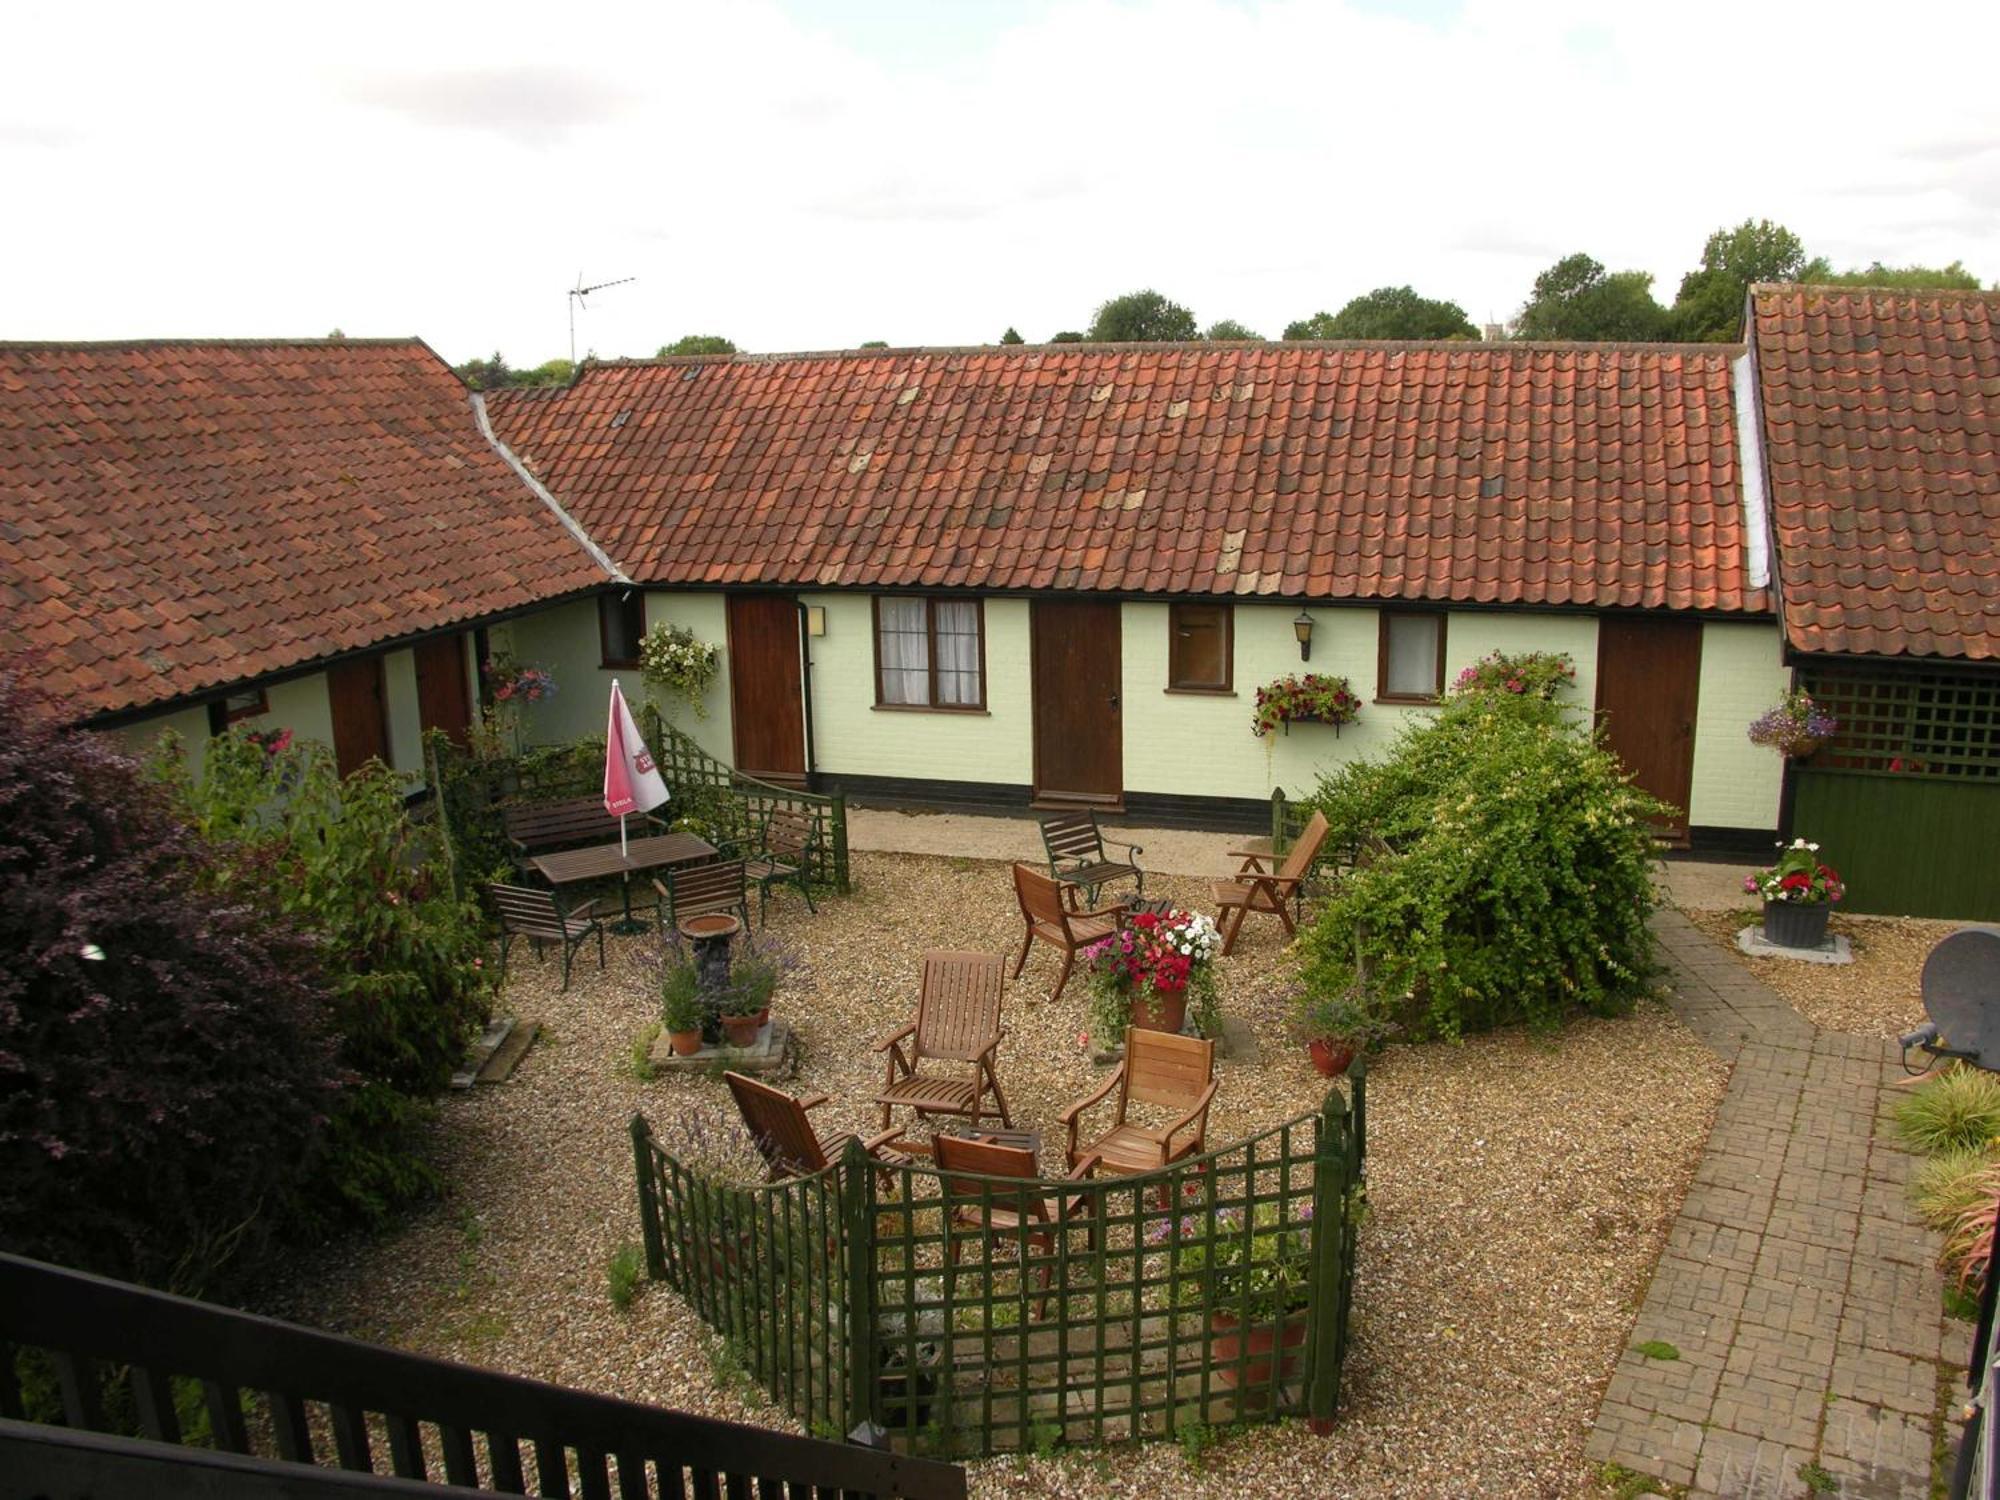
(568, 866)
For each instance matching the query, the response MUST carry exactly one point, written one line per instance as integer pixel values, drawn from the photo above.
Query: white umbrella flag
(631, 781)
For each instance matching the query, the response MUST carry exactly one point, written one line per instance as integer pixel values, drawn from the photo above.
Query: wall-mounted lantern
(1302, 627)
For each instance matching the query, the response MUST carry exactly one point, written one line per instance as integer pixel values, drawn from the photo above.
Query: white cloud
(768, 175)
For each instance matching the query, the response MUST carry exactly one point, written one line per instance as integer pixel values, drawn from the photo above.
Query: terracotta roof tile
(1881, 411)
(183, 515)
(1598, 475)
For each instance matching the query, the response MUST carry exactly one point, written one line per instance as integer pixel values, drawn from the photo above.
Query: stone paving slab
(1797, 1284)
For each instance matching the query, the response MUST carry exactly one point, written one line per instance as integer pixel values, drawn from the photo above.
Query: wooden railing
(845, 1296)
(142, 1363)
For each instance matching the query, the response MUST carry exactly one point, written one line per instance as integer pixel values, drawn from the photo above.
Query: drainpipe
(806, 676)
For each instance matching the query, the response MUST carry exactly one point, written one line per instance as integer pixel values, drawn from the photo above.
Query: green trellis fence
(1214, 1292)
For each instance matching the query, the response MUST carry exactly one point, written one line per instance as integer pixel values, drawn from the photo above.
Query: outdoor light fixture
(815, 619)
(1302, 627)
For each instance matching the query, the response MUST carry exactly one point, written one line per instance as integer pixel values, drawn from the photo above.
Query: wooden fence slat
(288, 1427)
(503, 1457)
(406, 1446)
(153, 1395)
(461, 1463)
(224, 1404)
(350, 1437)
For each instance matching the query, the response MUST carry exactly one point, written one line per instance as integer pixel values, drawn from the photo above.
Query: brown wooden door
(765, 693)
(444, 700)
(1648, 678)
(360, 723)
(1079, 735)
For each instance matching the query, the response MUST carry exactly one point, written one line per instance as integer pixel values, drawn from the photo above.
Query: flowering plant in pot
(1254, 1275)
(1338, 1028)
(1312, 697)
(1154, 972)
(681, 1010)
(1538, 674)
(1795, 727)
(746, 1000)
(672, 659)
(1799, 893)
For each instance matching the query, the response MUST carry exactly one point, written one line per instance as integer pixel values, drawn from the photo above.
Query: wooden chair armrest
(1082, 1170)
(1252, 858)
(1116, 909)
(1275, 882)
(588, 908)
(907, 1029)
(1070, 1112)
(814, 1101)
(1200, 1109)
(875, 1143)
(661, 886)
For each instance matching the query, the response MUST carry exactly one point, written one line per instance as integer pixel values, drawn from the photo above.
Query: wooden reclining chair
(1263, 885)
(1022, 1215)
(785, 1137)
(958, 1021)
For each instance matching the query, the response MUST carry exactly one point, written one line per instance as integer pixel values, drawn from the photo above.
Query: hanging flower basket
(1309, 697)
(1795, 727)
(674, 661)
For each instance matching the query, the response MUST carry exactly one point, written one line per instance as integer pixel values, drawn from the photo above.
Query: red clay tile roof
(183, 515)
(1519, 474)
(1881, 411)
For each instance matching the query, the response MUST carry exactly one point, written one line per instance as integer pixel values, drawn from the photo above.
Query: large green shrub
(1519, 882)
(402, 954)
(165, 1063)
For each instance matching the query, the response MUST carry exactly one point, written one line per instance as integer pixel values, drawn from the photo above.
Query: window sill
(1200, 692)
(933, 708)
(1401, 700)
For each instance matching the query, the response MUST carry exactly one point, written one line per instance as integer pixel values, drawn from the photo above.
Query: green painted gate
(1905, 800)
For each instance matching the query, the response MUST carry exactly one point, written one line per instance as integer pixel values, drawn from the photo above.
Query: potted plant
(1254, 1276)
(1795, 727)
(673, 660)
(1338, 1029)
(1152, 972)
(1798, 894)
(681, 1010)
(1310, 696)
(746, 1001)
(1536, 674)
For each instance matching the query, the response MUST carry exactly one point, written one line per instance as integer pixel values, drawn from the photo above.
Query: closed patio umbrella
(631, 781)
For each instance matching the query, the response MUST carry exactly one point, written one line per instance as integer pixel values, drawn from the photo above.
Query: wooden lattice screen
(1940, 724)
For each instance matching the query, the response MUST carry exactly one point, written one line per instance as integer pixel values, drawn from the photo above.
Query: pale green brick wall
(1736, 783)
(566, 640)
(1201, 745)
(853, 737)
(406, 732)
(189, 724)
(302, 706)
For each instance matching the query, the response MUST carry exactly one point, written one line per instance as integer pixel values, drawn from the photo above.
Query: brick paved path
(1797, 1284)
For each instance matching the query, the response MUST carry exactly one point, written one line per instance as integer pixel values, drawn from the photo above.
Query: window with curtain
(1411, 663)
(1198, 647)
(928, 654)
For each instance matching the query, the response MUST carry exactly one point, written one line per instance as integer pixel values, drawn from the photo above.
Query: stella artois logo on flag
(631, 780)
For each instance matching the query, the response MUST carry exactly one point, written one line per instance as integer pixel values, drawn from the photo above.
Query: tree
(1011, 336)
(1388, 312)
(876, 344)
(1067, 336)
(1710, 304)
(1142, 318)
(1576, 298)
(494, 374)
(1951, 278)
(1229, 331)
(696, 343)
(166, 1066)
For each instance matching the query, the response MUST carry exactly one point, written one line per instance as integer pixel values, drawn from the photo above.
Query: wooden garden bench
(1075, 847)
(538, 827)
(1049, 911)
(784, 856)
(958, 1021)
(1261, 885)
(538, 917)
(700, 891)
(1172, 1072)
(785, 1137)
(1003, 1214)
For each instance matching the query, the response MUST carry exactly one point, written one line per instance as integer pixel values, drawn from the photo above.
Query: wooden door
(766, 694)
(1079, 735)
(360, 722)
(444, 700)
(1648, 679)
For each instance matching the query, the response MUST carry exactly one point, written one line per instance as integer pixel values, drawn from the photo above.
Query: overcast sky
(811, 175)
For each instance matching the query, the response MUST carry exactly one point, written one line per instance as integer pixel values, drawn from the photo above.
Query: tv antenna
(576, 295)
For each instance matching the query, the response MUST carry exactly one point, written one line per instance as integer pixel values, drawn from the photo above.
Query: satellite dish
(1961, 987)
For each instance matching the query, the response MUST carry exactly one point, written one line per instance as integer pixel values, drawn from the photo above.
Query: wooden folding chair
(1049, 912)
(1262, 885)
(1024, 1215)
(958, 1021)
(785, 1137)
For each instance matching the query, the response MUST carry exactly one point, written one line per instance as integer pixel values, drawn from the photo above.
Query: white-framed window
(1410, 664)
(930, 652)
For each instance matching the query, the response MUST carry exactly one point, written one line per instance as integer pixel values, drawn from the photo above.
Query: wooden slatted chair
(1075, 848)
(537, 916)
(784, 856)
(1023, 1216)
(958, 1021)
(700, 891)
(785, 1137)
(1050, 912)
(1264, 885)
(1171, 1072)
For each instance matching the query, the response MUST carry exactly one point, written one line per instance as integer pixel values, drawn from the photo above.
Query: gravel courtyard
(1521, 1188)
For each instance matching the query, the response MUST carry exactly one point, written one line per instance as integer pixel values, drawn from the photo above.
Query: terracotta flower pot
(1330, 1055)
(1159, 1010)
(1796, 924)
(1227, 1341)
(685, 1043)
(742, 1031)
